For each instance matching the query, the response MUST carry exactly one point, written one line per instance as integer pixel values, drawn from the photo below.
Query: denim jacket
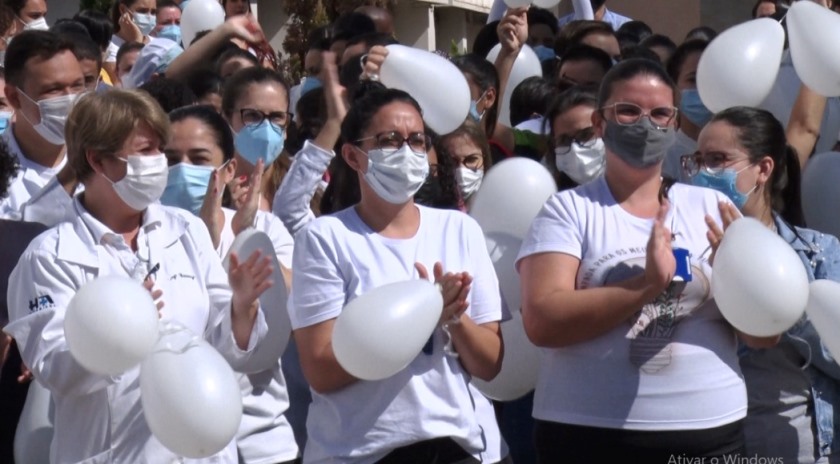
(821, 255)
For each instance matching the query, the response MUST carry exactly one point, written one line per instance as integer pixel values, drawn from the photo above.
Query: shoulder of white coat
(182, 220)
(46, 243)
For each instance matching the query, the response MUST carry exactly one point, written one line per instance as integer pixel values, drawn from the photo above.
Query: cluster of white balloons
(739, 67)
(505, 215)
(200, 15)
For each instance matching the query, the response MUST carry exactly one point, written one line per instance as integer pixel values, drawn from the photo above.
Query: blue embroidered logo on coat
(41, 303)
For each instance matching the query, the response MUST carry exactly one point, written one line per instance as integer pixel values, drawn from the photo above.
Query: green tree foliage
(99, 5)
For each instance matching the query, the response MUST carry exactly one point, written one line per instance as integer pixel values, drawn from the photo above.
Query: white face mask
(581, 163)
(39, 24)
(53, 113)
(145, 22)
(144, 182)
(468, 180)
(396, 176)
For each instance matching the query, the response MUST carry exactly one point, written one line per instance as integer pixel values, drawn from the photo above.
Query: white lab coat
(99, 419)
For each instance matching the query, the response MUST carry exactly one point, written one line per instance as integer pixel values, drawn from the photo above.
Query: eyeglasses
(473, 161)
(252, 117)
(392, 141)
(713, 163)
(584, 137)
(628, 114)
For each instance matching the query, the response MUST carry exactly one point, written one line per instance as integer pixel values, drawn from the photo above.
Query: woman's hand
(455, 287)
(728, 213)
(245, 28)
(248, 280)
(211, 209)
(334, 93)
(660, 263)
(128, 30)
(373, 62)
(513, 29)
(248, 201)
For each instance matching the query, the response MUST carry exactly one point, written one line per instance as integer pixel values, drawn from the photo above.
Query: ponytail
(785, 186)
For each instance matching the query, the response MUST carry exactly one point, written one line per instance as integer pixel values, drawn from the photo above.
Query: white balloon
(190, 395)
(34, 433)
(821, 193)
(503, 249)
(443, 94)
(824, 313)
(499, 208)
(813, 32)
(527, 65)
(111, 324)
(200, 15)
(546, 3)
(379, 333)
(759, 282)
(273, 301)
(517, 3)
(520, 366)
(740, 65)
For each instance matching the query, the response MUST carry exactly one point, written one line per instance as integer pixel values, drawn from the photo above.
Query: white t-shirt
(673, 366)
(339, 257)
(264, 436)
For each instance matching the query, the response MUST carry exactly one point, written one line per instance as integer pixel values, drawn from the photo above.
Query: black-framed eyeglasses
(628, 114)
(253, 117)
(584, 137)
(392, 141)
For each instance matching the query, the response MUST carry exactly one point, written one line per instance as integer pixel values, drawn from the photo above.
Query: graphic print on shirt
(652, 327)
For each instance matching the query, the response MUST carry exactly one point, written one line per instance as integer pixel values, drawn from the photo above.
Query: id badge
(683, 272)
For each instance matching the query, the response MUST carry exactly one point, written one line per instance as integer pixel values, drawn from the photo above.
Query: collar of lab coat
(78, 240)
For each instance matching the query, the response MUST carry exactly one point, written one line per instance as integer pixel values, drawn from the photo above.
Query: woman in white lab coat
(120, 229)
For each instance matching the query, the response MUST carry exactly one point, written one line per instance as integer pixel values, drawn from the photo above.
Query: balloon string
(170, 328)
(448, 348)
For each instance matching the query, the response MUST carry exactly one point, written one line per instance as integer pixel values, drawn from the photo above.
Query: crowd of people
(131, 150)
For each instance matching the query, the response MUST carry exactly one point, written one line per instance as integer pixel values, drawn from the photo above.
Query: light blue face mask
(474, 114)
(723, 183)
(311, 83)
(544, 53)
(693, 108)
(186, 186)
(171, 32)
(260, 141)
(5, 120)
(145, 22)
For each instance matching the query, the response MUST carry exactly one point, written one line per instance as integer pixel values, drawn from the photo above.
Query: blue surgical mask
(693, 108)
(260, 141)
(171, 32)
(145, 22)
(5, 120)
(187, 186)
(544, 53)
(310, 83)
(474, 114)
(724, 183)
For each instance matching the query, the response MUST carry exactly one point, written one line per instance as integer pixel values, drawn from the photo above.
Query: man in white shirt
(599, 8)
(43, 80)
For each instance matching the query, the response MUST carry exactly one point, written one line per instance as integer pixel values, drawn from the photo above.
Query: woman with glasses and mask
(201, 163)
(423, 413)
(469, 151)
(120, 229)
(256, 105)
(576, 154)
(794, 387)
(638, 363)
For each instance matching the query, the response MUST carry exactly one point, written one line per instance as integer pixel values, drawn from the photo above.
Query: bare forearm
(479, 347)
(567, 317)
(328, 136)
(317, 358)
(803, 129)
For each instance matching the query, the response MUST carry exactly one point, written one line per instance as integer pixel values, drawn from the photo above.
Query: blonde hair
(103, 122)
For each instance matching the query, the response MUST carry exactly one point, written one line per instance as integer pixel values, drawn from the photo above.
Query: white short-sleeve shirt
(672, 366)
(339, 257)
